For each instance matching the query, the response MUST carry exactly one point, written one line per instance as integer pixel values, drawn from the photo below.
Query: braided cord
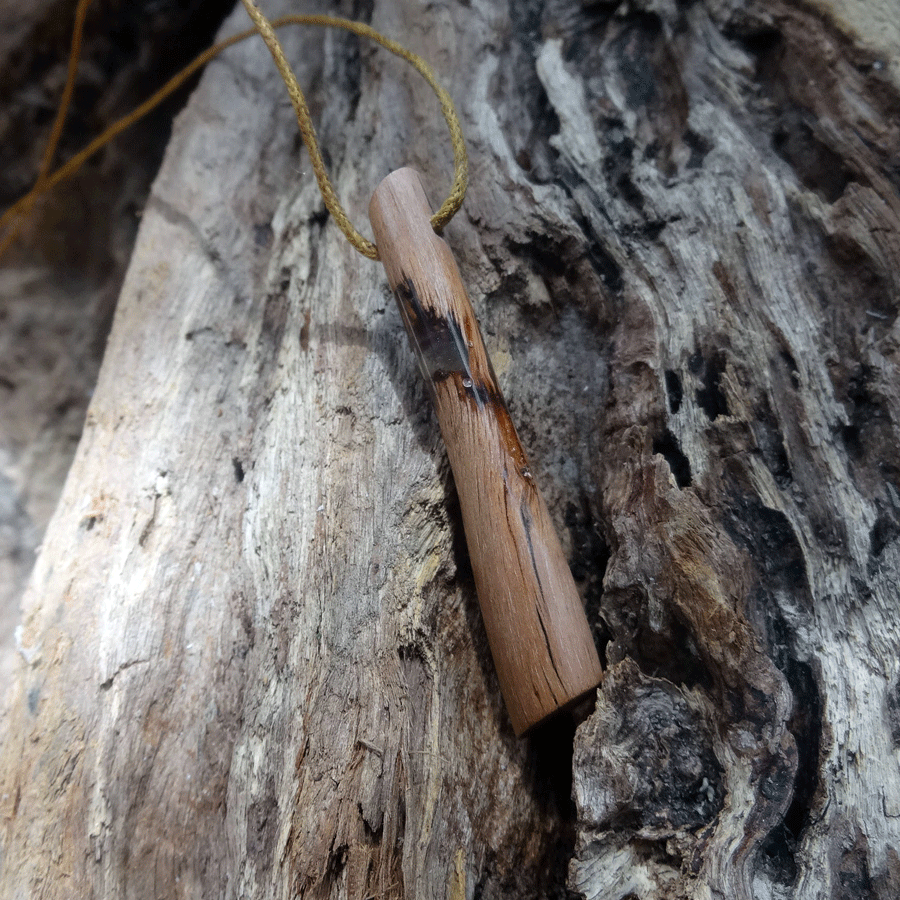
(308, 133)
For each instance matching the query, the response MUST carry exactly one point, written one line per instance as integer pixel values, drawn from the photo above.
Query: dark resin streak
(442, 347)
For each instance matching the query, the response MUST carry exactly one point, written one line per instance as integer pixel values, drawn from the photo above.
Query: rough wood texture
(58, 286)
(749, 478)
(540, 639)
(256, 666)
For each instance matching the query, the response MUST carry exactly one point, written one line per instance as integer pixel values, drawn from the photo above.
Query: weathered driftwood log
(255, 665)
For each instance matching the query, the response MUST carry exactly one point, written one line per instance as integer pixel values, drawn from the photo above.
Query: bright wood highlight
(539, 636)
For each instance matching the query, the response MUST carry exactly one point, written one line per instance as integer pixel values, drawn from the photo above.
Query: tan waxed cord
(12, 220)
(461, 162)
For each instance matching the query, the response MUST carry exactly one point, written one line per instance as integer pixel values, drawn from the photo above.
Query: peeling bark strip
(539, 636)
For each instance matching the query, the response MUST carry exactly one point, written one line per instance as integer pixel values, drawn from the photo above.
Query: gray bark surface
(250, 660)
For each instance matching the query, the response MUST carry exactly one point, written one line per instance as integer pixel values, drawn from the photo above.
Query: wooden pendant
(539, 636)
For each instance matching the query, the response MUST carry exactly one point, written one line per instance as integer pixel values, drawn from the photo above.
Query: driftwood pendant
(539, 636)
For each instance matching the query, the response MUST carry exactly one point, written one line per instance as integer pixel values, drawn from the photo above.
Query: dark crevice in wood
(563, 254)
(462, 567)
(650, 75)
(864, 406)
(817, 166)
(351, 73)
(503, 878)
(805, 725)
(770, 443)
(550, 258)
(788, 359)
(499, 878)
(893, 710)
(782, 582)
(604, 264)
(373, 830)
(647, 230)
(803, 79)
(606, 267)
(762, 42)
(776, 857)
(582, 33)
(579, 273)
(590, 551)
(550, 764)
(549, 773)
(618, 163)
(861, 290)
(667, 446)
(868, 437)
(590, 556)
(337, 860)
(665, 649)
(530, 134)
(558, 261)
(854, 874)
(672, 654)
(629, 192)
(768, 537)
(884, 531)
(699, 146)
(88, 522)
(709, 370)
(674, 390)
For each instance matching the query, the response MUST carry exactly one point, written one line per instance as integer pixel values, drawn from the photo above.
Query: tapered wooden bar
(538, 633)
